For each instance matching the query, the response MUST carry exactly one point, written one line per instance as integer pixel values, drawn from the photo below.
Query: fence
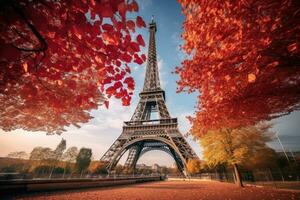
(30, 176)
(267, 178)
(12, 187)
(247, 176)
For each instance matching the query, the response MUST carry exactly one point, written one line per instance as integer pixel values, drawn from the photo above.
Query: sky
(106, 126)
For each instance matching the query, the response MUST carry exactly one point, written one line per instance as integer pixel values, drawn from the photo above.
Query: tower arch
(142, 143)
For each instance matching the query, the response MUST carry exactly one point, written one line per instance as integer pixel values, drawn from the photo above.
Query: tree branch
(42, 41)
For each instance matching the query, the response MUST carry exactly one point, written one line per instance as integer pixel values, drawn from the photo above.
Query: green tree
(40, 153)
(58, 152)
(164, 170)
(83, 160)
(56, 155)
(69, 157)
(119, 169)
(18, 155)
(235, 147)
(38, 157)
(127, 170)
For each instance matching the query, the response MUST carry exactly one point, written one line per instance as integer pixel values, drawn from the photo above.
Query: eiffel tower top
(151, 83)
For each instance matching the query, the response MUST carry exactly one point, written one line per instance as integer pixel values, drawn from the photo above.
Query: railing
(22, 186)
(267, 178)
(59, 176)
(151, 122)
(255, 176)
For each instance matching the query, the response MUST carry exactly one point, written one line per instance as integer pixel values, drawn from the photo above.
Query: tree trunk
(282, 178)
(238, 177)
(271, 176)
(217, 175)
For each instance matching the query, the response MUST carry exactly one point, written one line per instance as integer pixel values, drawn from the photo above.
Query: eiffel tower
(142, 134)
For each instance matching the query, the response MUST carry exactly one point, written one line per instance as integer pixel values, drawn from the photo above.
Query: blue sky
(106, 126)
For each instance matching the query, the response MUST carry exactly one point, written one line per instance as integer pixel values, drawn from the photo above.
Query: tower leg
(179, 164)
(133, 156)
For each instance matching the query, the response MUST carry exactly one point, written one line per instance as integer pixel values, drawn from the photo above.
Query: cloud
(178, 42)
(143, 4)
(98, 134)
(159, 157)
(162, 73)
(287, 129)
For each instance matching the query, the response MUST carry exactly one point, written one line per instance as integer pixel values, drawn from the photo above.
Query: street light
(282, 147)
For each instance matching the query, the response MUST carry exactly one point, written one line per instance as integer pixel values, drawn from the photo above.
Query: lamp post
(282, 147)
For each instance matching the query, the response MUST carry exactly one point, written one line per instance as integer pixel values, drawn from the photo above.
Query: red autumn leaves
(245, 61)
(60, 59)
(140, 22)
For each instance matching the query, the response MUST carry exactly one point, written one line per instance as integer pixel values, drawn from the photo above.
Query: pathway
(171, 190)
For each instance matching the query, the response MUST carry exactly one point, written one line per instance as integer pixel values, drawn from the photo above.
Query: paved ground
(172, 190)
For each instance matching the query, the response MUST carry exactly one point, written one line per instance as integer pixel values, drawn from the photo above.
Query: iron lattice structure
(142, 134)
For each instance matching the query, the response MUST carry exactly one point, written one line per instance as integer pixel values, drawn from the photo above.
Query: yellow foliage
(96, 166)
(236, 146)
(193, 166)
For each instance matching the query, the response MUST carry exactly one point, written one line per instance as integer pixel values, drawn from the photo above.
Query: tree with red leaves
(61, 58)
(245, 61)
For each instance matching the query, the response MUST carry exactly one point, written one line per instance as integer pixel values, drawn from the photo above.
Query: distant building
(174, 165)
(155, 167)
(142, 166)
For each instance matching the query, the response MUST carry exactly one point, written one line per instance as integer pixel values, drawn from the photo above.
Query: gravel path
(171, 190)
